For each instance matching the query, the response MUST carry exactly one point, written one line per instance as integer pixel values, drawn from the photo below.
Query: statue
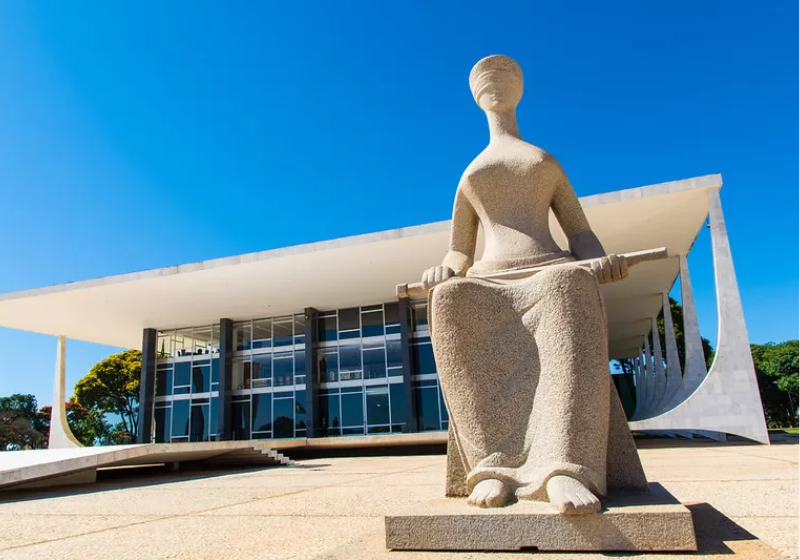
(522, 357)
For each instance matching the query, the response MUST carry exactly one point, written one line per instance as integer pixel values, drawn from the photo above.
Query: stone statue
(523, 359)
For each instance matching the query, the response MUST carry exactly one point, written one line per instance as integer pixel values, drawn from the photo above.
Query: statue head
(496, 83)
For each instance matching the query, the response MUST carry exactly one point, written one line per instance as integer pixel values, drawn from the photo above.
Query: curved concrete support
(728, 399)
(694, 370)
(641, 390)
(61, 436)
(651, 380)
(658, 363)
(673, 382)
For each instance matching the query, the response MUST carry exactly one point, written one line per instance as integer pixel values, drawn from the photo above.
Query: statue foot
(490, 492)
(570, 497)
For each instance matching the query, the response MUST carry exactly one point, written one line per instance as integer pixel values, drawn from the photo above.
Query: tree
(112, 386)
(20, 427)
(87, 424)
(777, 373)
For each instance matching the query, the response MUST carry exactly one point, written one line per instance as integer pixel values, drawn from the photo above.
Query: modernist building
(311, 341)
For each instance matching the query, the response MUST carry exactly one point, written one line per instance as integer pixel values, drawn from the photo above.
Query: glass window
(282, 331)
(164, 345)
(348, 319)
(328, 363)
(327, 328)
(163, 419)
(240, 374)
(442, 407)
(300, 410)
(262, 370)
(180, 418)
(428, 409)
(350, 361)
(300, 366)
(262, 412)
(377, 405)
(372, 323)
(163, 381)
(213, 417)
(215, 338)
(183, 374)
(241, 419)
(201, 337)
(394, 354)
(331, 423)
(424, 362)
(300, 328)
(262, 333)
(419, 314)
(199, 422)
(398, 398)
(391, 313)
(242, 336)
(352, 409)
(374, 363)
(214, 372)
(183, 342)
(284, 418)
(283, 369)
(201, 377)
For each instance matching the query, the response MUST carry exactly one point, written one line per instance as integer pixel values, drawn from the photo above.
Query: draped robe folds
(523, 366)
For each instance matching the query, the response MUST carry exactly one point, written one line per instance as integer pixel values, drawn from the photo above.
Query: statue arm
(583, 243)
(463, 236)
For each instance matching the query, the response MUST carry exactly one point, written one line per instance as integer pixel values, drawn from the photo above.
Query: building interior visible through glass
(358, 370)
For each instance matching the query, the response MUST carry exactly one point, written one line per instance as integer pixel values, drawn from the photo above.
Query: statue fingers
(614, 266)
(438, 275)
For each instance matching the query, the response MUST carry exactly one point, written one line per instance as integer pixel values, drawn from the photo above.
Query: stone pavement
(744, 500)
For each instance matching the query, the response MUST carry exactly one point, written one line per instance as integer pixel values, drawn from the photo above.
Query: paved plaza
(744, 500)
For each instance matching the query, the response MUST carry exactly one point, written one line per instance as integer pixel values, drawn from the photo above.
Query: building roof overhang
(359, 270)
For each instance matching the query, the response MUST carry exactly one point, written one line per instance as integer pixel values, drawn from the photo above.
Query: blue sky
(141, 135)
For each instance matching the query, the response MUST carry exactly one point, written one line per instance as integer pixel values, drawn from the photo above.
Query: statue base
(653, 521)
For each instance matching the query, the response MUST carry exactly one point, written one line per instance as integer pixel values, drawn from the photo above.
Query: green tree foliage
(777, 372)
(112, 386)
(87, 424)
(20, 425)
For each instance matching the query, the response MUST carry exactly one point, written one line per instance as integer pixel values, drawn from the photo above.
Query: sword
(418, 289)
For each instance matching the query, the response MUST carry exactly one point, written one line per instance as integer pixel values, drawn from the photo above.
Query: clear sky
(144, 134)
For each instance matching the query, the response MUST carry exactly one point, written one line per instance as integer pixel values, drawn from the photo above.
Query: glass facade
(357, 369)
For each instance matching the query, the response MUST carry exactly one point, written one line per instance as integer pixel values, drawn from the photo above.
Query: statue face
(501, 91)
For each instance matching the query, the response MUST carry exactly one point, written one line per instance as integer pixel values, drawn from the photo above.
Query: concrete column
(673, 359)
(226, 349)
(406, 336)
(313, 420)
(659, 374)
(642, 390)
(147, 387)
(651, 379)
(694, 370)
(728, 399)
(61, 436)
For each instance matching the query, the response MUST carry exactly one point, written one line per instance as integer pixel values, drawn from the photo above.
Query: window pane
(164, 345)
(215, 370)
(330, 414)
(262, 413)
(391, 313)
(163, 382)
(374, 364)
(428, 409)
(284, 418)
(241, 420)
(300, 324)
(262, 370)
(240, 374)
(443, 408)
(328, 364)
(162, 419)
(202, 340)
(327, 328)
(352, 410)
(283, 368)
(201, 377)
(299, 363)
(350, 361)
(183, 342)
(394, 353)
(215, 336)
(180, 418)
(423, 359)
(282, 331)
(372, 323)
(420, 317)
(213, 416)
(397, 394)
(262, 333)
(300, 410)
(199, 422)
(377, 405)
(242, 336)
(183, 373)
(348, 319)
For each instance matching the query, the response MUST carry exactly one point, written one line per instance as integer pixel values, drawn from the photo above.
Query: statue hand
(610, 268)
(436, 275)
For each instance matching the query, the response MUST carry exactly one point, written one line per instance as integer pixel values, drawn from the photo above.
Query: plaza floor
(743, 498)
